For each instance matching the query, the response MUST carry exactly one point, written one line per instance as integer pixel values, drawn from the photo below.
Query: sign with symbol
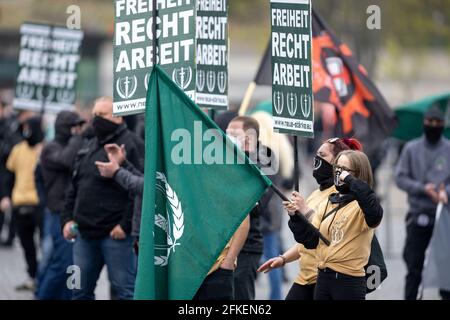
(48, 62)
(292, 67)
(133, 54)
(212, 54)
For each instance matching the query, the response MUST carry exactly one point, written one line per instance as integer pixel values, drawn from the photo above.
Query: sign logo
(278, 101)
(306, 105)
(200, 80)
(126, 86)
(210, 80)
(291, 101)
(222, 81)
(40, 94)
(146, 78)
(25, 91)
(172, 224)
(182, 76)
(65, 96)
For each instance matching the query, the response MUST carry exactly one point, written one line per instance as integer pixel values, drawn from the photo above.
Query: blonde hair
(360, 164)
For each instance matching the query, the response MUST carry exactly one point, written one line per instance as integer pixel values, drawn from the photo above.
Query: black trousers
(245, 275)
(28, 221)
(11, 227)
(445, 295)
(417, 240)
(301, 292)
(219, 285)
(333, 285)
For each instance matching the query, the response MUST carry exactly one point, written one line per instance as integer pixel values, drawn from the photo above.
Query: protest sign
(48, 61)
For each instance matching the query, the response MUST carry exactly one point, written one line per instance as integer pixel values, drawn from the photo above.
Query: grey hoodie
(421, 163)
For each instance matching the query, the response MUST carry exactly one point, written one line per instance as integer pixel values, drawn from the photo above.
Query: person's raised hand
(107, 169)
(117, 153)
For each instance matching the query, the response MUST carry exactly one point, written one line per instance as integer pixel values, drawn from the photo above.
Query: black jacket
(57, 160)
(98, 204)
(255, 242)
(307, 235)
(10, 135)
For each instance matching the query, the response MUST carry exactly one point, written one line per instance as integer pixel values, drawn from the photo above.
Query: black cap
(68, 118)
(434, 113)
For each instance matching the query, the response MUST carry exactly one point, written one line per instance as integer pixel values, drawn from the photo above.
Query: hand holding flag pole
(302, 217)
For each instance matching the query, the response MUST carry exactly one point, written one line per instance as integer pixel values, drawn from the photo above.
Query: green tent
(410, 116)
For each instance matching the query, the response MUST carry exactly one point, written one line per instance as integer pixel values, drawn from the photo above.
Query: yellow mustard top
(307, 261)
(221, 257)
(22, 162)
(350, 238)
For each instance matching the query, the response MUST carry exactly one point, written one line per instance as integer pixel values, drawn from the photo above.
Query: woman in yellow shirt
(303, 287)
(348, 219)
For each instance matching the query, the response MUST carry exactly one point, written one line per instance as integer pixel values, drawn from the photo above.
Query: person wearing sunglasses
(347, 219)
(303, 287)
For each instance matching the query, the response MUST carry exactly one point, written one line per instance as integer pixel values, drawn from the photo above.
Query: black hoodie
(57, 159)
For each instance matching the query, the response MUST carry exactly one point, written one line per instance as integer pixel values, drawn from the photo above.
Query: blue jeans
(46, 243)
(90, 255)
(52, 283)
(272, 249)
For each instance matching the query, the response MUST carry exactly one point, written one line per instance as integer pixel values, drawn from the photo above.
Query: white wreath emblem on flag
(173, 225)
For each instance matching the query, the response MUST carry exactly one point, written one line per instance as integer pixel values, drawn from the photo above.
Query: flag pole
(155, 43)
(301, 216)
(248, 96)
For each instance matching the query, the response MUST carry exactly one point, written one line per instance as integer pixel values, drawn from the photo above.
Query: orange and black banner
(339, 80)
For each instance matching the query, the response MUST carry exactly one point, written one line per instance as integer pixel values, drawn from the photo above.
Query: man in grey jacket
(423, 171)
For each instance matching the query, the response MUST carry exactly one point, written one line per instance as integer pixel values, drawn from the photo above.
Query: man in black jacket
(57, 159)
(244, 131)
(101, 210)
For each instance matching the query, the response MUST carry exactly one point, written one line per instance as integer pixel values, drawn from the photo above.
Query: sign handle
(296, 166)
(248, 96)
(45, 88)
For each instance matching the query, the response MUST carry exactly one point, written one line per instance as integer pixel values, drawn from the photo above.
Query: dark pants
(53, 281)
(245, 276)
(333, 285)
(301, 292)
(417, 240)
(271, 249)
(11, 227)
(90, 255)
(28, 221)
(218, 285)
(445, 295)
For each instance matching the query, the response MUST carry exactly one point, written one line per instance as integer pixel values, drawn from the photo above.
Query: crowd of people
(80, 193)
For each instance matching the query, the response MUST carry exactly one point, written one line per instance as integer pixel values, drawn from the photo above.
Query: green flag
(198, 189)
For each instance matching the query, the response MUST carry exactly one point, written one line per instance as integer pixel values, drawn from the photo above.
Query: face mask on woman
(341, 186)
(322, 171)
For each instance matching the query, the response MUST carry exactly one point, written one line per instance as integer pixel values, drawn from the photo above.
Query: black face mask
(433, 134)
(103, 127)
(341, 186)
(323, 172)
(33, 134)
